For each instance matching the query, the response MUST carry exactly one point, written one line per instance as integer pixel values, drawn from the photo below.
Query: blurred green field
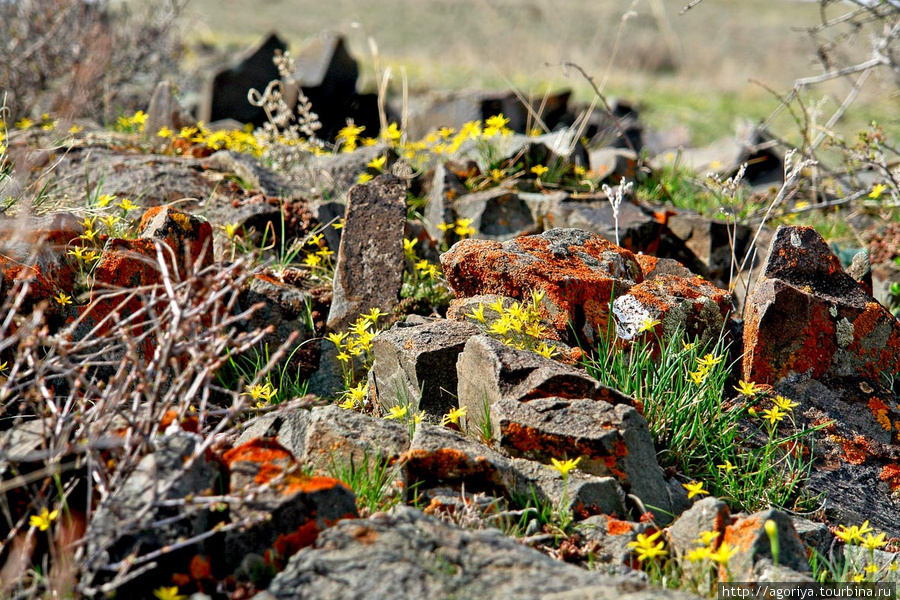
(694, 70)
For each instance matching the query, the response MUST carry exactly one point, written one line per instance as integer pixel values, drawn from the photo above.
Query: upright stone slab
(165, 111)
(417, 365)
(228, 92)
(369, 268)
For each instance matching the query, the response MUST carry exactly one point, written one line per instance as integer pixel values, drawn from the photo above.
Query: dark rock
(370, 261)
(815, 536)
(416, 365)
(444, 189)
(610, 441)
(639, 230)
(706, 515)
(407, 554)
(614, 163)
(127, 521)
(608, 537)
(581, 494)
(495, 214)
(228, 91)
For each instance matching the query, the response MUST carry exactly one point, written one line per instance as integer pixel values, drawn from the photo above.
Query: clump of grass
(373, 481)
(697, 430)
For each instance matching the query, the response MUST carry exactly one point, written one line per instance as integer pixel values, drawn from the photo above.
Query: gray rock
(336, 437)
(288, 429)
(814, 535)
(608, 538)
(165, 111)
(490, 371)
(444, 190)
(610, 440)
(370, 260)
(708, 514)
(754, 550)
(582, 494)
(416, 366)
(639, 231)
(128, 520)
(614, 163)
(496, 214)
(331, 176)
(409, 555)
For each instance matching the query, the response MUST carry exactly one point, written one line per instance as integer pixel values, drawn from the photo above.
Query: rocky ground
(395, 369)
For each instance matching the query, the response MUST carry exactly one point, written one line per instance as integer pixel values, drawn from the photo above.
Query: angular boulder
(579, 272)
(417, 365)
(807, 316)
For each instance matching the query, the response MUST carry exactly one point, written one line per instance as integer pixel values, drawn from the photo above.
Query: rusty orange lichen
(743, 534)
(880, 410)
(891, 475)
(288, 544)
(297, 482)
(855, 450)
(616, 527)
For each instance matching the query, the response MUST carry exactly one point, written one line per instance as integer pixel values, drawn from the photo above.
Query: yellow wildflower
(453, 416)
(853, 533)
(774, 415)
(409, 245)
(43, 520)
(539, 170)
(127, 205)
(648, 325)
(104, 200)
(747, 388)
(464, 228)
(698, 554)
(564, 466)
(164, 132)
(694, 488)
(647, 547)
(877, 190)
(377, 163)
(873, 542)
(397, 412)
(24, 123)
(168, 593)
(727, 467)
(312, 260)
(262, 391)
(784, 403)
(364, 178)
(477, 313)
(63, 299)
(723, 554)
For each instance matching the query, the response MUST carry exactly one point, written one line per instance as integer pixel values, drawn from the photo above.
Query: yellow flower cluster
(357, 340)
(649, 547)
(705, 551)
(519, 325)
(461, 227)
(704, 366)
(262, 393)
(355, 397)
(319, 258)
(447, 141)
(236, 139)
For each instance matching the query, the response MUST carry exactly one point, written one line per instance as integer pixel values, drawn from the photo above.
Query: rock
(490, 371)
(34, 250)
(409, 555)
(285, 509)
(748, 536)
(445, 188)
(370, 262)
(611, 441)
(608, 537)
(327, 75)
(439, 457)
(228, 91)
(693, 307)
(639, 230)
(165, 111)
(815, 536)
(333, 175)
(128, 521)
(579, 272)
(614, 163)
(336, 437)
(654, 267)
(582, 494)
(416, 366)
(189, 238)
(708, 514)
(495, 214)
(806, 315)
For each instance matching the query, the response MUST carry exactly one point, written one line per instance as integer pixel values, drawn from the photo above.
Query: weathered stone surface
(444, 189)
(165, 111)
(708, 514)
(409, 555)
(815, 536)
(288, 509)
(490, 371)
(608, 538)
(417, 365)
(754, 550)
(335, 436)
(173, 470)
(440, 457)
(639, 230)
(692, 306)
(580, 273)
(654, 267)
(610, 440)
(496, 214)
(582, 494)
(369, 265)
(614, 163)
(228, 91)
(807, 316)
(333, 175)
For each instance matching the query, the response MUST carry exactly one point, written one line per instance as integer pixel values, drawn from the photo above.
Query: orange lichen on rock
(856, 450)
(880, 410)
(616, 527)
(288, 544)
(743, 534)
(259, 450)
(891, 475)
